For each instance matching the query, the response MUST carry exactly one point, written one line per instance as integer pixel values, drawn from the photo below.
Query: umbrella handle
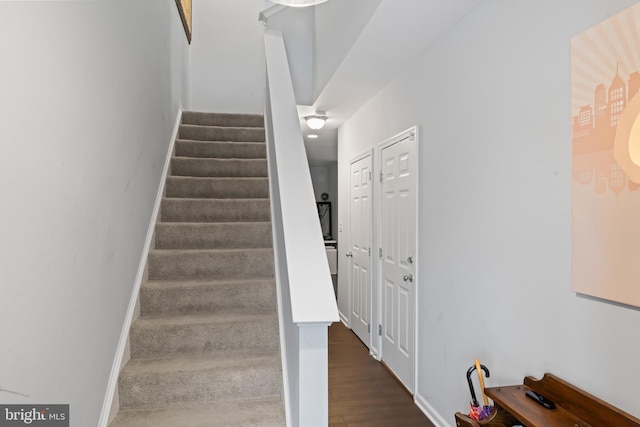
(471, 389)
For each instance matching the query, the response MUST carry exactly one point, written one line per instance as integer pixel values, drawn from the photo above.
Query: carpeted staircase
(205, 349)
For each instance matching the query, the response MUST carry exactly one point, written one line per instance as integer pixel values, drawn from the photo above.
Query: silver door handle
(407, 277)
(349, 254)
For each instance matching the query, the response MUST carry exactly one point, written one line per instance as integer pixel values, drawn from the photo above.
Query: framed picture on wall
(324, 213)
(184, 7)
(605, 95)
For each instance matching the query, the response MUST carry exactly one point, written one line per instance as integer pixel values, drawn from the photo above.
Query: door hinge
(381, 177)
(380, 252)
(379, 330)
(369, 175)
(369, 328)
(369, 251)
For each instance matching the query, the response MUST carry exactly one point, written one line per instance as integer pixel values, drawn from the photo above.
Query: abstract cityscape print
(605, 82)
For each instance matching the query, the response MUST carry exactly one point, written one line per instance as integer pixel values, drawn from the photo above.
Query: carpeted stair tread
(214, 167)
(189, 264)
(198, 335)
(214, 296)
(226, 360)
(222, 235)
(215, 210)
(204, 318)
(221, 133)
(221, 149)
(223, 376)
(255, 413)
(222, 119)
(217, 188)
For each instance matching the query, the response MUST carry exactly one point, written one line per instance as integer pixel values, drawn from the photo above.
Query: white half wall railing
(306, 300)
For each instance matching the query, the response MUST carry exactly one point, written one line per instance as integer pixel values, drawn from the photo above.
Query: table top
(514, 400)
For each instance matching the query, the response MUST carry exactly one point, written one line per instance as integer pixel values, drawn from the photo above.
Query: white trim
(412, 131)
(416, 155)
(362, 155)
(124, 334)
(430, 411)
(344, 319)
(314, 324)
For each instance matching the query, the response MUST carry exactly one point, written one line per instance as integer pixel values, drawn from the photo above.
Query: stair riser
(157, 389)
(207, 265)
(213, 133)
(262, 413)
(193, 210)
(207, 299)
(222, 119)
(213, 236)
(185, 166)
(202, 339)
(221, 150)
(217, 188)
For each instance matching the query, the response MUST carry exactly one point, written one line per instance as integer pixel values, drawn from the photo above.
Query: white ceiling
(397, 33)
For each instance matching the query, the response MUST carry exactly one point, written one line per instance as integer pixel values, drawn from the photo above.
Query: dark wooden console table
(574, 407)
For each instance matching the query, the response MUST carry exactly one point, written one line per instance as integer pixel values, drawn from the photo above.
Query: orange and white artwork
(605, 82)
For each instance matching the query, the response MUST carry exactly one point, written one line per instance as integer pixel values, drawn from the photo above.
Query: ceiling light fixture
(298, 3)
(312, 136)
(316, 121)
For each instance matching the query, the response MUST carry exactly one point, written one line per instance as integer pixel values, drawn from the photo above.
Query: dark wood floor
(362, 393)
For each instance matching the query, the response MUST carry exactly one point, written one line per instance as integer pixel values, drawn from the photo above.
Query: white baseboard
(111, 393)
(343, 318)
(430, 412)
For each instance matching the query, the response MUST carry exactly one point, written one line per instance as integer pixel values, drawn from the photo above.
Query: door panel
(405, 230)
(404, 303)
(389, 325)
(398, 240)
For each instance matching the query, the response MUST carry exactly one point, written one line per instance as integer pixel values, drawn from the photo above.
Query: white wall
(492, 99)
(297, 25)
(227, 56)
(337, 25)
(90, 92)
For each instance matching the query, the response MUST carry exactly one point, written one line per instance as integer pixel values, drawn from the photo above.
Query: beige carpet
(205, 350)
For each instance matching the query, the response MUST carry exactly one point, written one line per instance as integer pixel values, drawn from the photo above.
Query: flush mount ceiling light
(298, 3)
(316, 121)
(312, 136)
